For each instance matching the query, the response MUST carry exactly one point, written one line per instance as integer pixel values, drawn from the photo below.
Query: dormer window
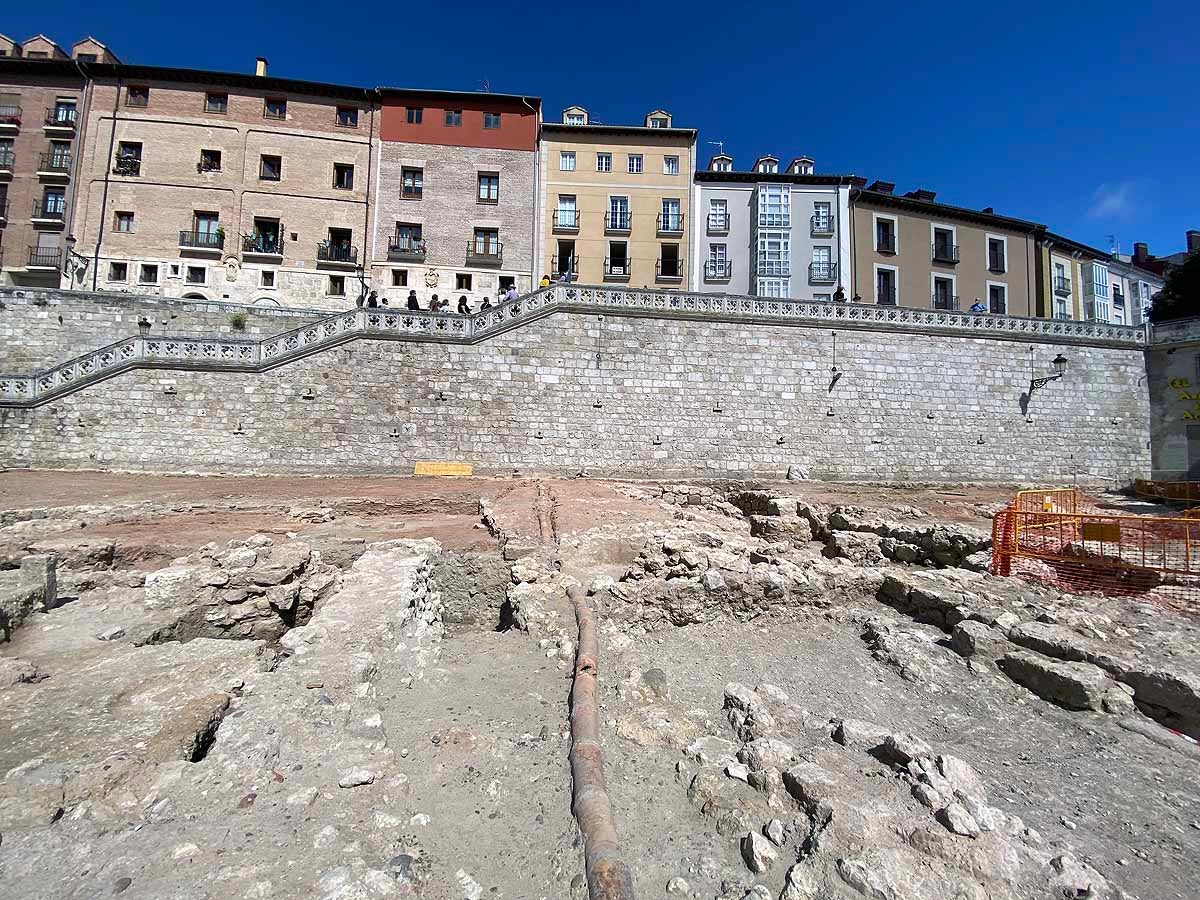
(658, 122)
(767, 165)
(574, 119)
(721, 163)
(724, 166)
(801, 166)
(658, 118)
(575, 115)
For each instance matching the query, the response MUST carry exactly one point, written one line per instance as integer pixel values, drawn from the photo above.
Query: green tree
(1180, 296)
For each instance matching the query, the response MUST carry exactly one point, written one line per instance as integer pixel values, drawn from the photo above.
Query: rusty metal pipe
(608, 876)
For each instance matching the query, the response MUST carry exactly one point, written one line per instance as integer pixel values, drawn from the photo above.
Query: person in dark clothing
(486, 304)
(413, 302)
(373, 300)
(464, 307)
(434, 303)
(839, 296)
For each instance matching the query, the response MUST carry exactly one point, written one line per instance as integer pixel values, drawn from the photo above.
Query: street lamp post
(1060, 369)
(72, 256)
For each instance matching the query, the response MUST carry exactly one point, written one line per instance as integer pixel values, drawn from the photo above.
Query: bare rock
(975, 639)
(78, 552)
(758, 853)
(14, 670)
(859, 734)
(799, 884)
(903, 748)
(767, 753)
(355, 777)
(1073, 685)
(957, 820)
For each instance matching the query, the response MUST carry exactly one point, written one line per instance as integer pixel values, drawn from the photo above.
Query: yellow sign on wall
(431, 467)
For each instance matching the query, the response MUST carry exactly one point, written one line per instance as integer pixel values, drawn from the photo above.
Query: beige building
(224, 186)
(912, 251)
(616, 201)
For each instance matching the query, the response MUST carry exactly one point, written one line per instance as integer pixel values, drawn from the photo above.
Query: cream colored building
(616, 201)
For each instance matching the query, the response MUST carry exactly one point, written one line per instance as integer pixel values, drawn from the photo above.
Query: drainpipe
(367, 204)
(853, 256)
(535, 247)
(77, 151)
(112, 139)
(1030, 306)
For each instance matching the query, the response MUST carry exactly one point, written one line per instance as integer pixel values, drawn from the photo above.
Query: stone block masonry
(630, 394)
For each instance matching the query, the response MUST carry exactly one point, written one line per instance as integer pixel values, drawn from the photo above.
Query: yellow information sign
(431, 467)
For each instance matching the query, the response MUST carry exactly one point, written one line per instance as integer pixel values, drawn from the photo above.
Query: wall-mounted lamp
(170, 391)
(780, 439)
(657, 440)
(1060, 369)
(717, 407)
(597, 405)
(308, 394)
(441, 397)
(77, 261)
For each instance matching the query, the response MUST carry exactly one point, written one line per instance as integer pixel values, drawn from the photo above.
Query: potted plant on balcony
(220, 236)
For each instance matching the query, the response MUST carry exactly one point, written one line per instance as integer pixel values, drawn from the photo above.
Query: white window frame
(987, 301)
(765, 193)
(934, 228)
(603, 162)
(1099, 269)
(575, 119)
(565, 157)
(610, 210)
(779, 284)
(112, 280)
(718, 252)
(572, 207)
(670, 165)
(718, 206)
(946, 276)
(634, 164)
(895, 220)
(895, 270)
(784, 263)
(823, 298)
(677, 212)
(987, 252)
(828, 217)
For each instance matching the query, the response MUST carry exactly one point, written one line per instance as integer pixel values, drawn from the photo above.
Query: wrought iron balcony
(572, 267)
(485, 253)
(944, 301)
(668, 270)
(822, 273)
(617, 269)
(403, 248)
(61, 117)
(202, 240)
(54, 163)
(127, 165)
(885, 296)
(45, 258)
(671, 223)
(46, 208)
(6, 160)
(943, 253)
(822, 224)
(996, 264)
(885, 243)
(10, 117)
(337, 253)
(411, 191)
(566, 220)
(262, 244)
(616, 221)
(718, 270)
(718, 223)
(1062, 284)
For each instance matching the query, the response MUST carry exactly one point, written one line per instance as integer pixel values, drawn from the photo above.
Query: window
(487, 242)
(343, 176)
(491, 120)
(670, 165)
(210, 160)
(489, 187)
(1099, 280)
(718, 215)
(129, 158)
(997, 299)
(943, 293)
(772, 287)
(997, 255)
(60, 155)
(267, 237)
(54, 204)
(671, 219)
(123, 222)
(718, 261)
(617, 218)
(722, 164)
(566, 161)
(658, 122)
(274, 108)
(412, 183)
(195, 275)
(768, 165)
(567, 215)
(670, 265)
(347, 116)
(885, 235)
(118, 271)
(266, 278)
(399, 277)
(885, 286)
(37, 54)
(216, 103)
(823, 298)
(337, 286)
(148, 274)
(618, 259)
(135, 95)
(822, 264)
(63, 113)
(822, 220)
(82, 57)
(453, 118)
(575, 119)
(603, 162)
(944, 248)
(270, 168)
(414, 114)
(462, 281)
(774, 206)
(634, 166)
(774, 253)
(205, 225)
(408, 237)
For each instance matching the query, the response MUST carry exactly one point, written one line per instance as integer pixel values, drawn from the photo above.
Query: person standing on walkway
(413, 302)
(464, 308)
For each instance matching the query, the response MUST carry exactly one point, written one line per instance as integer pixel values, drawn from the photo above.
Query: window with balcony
(148, 273)
(337, 247)
(670, 165)
(63, 113)
(718, 216)
(603, 162)
(566, 161)
(943, 294)
(489, 187)
(944, 249)
(485, 245)
(998, 299)
(670, 263)
(822, 220)
(1062, 284)
(997, 255)
(413, 115)
(59, 157)
(491, 120)
(337, 286)
(617, 218)
(274, 108)
(617, 263)
(885, 235)
(216, 103)
(123, 222)
(137, 96)
(206, 233)
(407, 242)
(195, 275)
(6, 153)
(717, 266)
(346, 117)
(566, 216)
(53, 204)
(634, 166)
(129, 158)
(774, 256)
(210, 160)
(453, 118)
(270, 168)
(266, 237)
(412, 183)
(118, 271)
(774, 206)
(343, 176)
(885, 286)
(823, 270)
(670, 220)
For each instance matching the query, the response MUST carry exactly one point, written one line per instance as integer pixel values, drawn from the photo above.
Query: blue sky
(1081, 116)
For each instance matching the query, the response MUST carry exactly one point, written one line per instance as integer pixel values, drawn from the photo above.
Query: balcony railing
(885, 243)
(618, 268)
(406, 249)
(55, 163)
(45, 208)
(616, 221)
(996, 264)
(566, 220)
(1062, 284)
(822, 224)
(718, 223)
(11, 116)
(337, 253)
(718, 270)
(671, 223)
(668, 270)
(127, 165)
(60, 117)
(822, 273)
(944, 301)
(411, 191)
(885, 296)
(488, 253)
(571, 268)
(263, 243)
(202, 240)
(45, 258)
(943, 253)
(6, 159)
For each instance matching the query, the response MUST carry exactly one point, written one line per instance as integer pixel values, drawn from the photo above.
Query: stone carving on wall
(431, 278)
(233, 268)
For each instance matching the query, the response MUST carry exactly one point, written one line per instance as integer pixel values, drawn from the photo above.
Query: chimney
(882, 187)
(988, 210)
(1141, 252)
(921, 194)
(260, 67)
(1193, 241)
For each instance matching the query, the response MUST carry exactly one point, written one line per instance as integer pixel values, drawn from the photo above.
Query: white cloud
(1112, 201)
